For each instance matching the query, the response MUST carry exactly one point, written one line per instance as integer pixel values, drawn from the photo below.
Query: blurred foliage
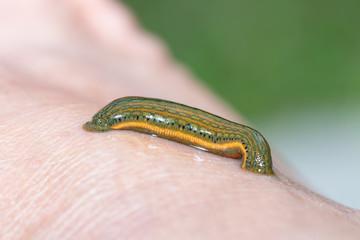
(264, 56)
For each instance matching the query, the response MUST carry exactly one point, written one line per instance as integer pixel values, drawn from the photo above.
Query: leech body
(187, 125)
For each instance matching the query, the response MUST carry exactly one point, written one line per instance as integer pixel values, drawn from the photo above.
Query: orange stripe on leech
(185, 136)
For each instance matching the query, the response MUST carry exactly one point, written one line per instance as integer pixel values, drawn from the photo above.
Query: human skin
(60, 62)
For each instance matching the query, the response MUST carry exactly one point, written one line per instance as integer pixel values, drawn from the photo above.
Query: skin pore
(61, 61)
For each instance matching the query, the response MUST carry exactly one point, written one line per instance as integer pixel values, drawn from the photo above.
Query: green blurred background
(292, 68)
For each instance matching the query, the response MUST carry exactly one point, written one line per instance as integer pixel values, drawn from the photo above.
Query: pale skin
(61, 61)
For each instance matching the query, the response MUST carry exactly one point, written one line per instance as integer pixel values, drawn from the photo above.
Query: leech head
(106, 117)
(98, 123)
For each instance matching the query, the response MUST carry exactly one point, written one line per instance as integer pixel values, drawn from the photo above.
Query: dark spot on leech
(214, 141)
(137, 117)
(183, 127)
(172, 124)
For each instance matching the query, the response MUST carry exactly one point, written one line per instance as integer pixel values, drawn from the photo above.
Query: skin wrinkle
(34, 195)
(40, 171)
(93, 223)
(186, 213)
(43, 166)
(78, 208)
(75, 207)
(126, 214)
(170, 201)
(60, 221)
(29, 194)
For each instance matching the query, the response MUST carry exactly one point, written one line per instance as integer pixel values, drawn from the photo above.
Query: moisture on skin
(187, 125)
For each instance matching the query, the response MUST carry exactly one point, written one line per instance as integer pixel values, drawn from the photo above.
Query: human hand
(61, 61)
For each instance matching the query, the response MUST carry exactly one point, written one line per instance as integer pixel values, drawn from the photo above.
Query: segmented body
(186, 125)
